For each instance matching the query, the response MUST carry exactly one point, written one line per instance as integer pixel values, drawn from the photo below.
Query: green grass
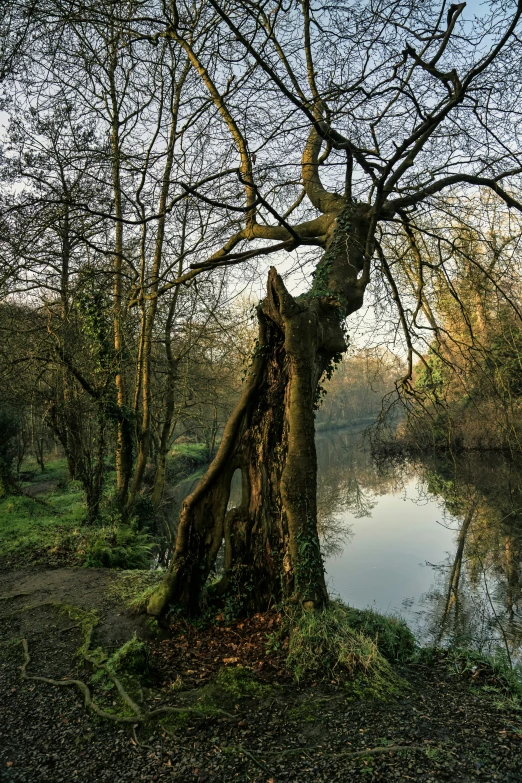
(133, 588)
(40, 523)
(51, 526)
(55, 470)
(184, 459)
(391, 634)
(325, 646)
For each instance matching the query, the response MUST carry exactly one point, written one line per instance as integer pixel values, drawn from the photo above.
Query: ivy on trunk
(271, 544)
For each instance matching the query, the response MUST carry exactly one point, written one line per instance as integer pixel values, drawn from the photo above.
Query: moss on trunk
(271, 542)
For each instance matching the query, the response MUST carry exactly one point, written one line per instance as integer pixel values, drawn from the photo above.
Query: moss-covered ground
(45, 524)
(48, 513)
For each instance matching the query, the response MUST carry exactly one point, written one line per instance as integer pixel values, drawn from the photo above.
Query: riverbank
(241, 714)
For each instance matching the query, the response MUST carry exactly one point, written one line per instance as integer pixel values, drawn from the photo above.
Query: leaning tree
(348, 120)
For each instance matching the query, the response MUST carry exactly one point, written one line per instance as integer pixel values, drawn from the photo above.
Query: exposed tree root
(28, 608)
(140, 716)
(12, 596)
(343, 754)
(136, 740)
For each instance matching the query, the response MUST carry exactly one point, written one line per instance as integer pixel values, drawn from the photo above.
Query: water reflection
(478, 596)
(438, 541)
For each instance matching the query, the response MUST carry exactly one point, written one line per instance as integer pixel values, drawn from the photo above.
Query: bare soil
(439, 729)
(40, 488)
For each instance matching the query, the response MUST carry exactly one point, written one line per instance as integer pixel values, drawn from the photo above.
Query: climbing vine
(338, 245)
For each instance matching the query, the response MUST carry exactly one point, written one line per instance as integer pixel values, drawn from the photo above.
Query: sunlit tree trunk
(170, 402)
(271, 545)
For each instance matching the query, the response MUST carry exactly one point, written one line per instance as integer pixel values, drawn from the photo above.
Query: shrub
(143, 513)
(494, 671)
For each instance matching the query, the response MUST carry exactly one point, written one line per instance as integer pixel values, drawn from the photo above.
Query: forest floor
(241, 718)
(44, 523)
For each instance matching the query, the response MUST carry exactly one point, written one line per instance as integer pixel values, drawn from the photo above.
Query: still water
(437, 541)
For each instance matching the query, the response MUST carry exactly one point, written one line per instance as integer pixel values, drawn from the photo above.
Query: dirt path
(38, 489)
(436, 730)
(82, 587)
(86, 586)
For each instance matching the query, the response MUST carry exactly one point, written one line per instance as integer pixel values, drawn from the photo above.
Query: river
(436, 540)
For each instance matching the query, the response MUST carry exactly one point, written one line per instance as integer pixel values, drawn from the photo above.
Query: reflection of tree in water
(349, 479)
(479, 596)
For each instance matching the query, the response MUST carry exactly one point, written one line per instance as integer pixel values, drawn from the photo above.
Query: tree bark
(271, 543)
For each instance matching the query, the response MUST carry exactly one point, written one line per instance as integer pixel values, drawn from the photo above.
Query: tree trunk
(271, 544)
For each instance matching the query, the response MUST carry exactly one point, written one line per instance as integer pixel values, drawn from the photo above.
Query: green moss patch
(131, 658)
(230, 686)
(86, 619)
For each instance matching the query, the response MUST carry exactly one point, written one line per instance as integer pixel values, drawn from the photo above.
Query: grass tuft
(134, 588)
(391, 634)
(324, 646)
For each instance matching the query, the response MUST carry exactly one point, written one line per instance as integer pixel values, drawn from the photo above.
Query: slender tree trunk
(148, 321)
(124, 429)
(95, 480)
(170, 397)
